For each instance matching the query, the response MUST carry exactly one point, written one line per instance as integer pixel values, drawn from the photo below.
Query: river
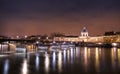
(84, 60)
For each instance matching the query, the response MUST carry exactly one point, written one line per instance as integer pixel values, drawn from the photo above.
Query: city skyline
(27, 17)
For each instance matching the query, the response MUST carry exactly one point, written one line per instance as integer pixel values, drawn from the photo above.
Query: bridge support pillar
(8, 46)
(1, 47)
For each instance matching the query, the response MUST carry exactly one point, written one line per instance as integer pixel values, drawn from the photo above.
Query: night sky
(31, 17)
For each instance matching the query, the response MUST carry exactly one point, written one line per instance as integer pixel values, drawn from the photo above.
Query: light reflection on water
(114, 57)
(97, 59)
(60, 61)
(72, 54)
(68, 55)
(54, 61)
(119, 56)
(64, 56)
(85, 58)
(24, 67)
(77, 52)
(37, 61)
(6, 66)
(77, 59)
(47, 63)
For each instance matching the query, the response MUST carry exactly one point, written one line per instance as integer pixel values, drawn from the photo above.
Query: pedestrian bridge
(16, 47)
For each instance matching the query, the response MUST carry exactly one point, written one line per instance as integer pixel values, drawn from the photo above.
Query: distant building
(84, 32)
(84, 37)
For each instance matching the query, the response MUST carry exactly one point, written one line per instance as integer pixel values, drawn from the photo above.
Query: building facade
(84, 37)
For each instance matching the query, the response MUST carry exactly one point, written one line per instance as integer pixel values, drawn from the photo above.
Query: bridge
(30, 45)
(17, 40)
(7, 45)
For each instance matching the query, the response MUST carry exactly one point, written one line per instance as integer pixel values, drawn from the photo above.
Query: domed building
(84, 37)
(84, 32)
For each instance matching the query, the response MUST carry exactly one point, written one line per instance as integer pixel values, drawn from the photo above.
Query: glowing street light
(38, 37)
(37, 42)
(17, 37)
(114, 44)
(26, 36)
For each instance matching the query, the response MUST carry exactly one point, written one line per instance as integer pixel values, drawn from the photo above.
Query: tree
(109, 33)
(117, 33)
(56, 34)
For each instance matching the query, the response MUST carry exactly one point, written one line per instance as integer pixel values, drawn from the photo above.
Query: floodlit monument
(84, 37)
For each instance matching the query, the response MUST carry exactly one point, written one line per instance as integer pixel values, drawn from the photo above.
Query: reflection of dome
(84, 32)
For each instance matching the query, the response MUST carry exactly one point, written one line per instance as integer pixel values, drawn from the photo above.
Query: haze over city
(31, 17)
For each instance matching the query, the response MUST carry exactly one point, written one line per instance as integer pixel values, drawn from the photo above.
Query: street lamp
(114, 44)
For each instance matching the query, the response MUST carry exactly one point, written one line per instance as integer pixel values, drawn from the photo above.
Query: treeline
(111, 33)
(51, 36)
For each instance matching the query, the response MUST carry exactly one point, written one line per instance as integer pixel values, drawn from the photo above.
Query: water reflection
(68, 55)
(64, 56)
(114, 57)
(60, 61)
(6, 66)
(97, 59)
(37, 61)
(47, 63)
(89, 53)
(81, 59)
(72, 54)
(119, 56)
(28, 57)
(85, 58)
(77, 51)
(24, 67)
(54, 60)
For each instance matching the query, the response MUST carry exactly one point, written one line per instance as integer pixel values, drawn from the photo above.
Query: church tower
(84, 32)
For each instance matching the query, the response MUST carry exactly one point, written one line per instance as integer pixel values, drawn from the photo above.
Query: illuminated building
(84, 37)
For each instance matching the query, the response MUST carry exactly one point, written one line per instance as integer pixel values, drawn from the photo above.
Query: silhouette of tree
(57, 34)
(109, 33)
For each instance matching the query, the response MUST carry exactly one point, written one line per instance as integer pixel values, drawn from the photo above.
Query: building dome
(84, 32)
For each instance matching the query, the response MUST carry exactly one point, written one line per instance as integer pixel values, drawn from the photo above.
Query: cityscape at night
(59, 37)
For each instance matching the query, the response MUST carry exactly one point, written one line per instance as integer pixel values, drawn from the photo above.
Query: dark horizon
(28, 17)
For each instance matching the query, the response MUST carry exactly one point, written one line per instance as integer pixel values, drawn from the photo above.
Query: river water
(78, 60)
